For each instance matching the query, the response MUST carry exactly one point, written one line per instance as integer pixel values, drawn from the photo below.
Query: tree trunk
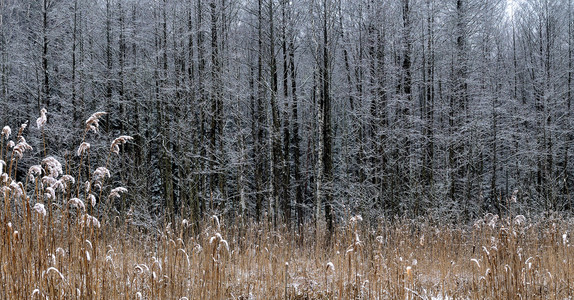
(285, 165)
(326, 120)
(276, 151)
(109, 64)
(45, 94)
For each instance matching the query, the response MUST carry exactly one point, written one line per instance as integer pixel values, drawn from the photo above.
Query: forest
(286, 149)
(297, 111)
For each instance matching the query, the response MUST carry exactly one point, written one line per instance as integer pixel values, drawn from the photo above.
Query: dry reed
(52, 248)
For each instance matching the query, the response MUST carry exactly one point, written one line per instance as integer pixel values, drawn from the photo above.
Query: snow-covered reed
(56, 246)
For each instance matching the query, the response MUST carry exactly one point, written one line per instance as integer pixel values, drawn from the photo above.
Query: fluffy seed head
(225, 245)
(519, 220)
(84, 147)
(39, 208)
(92, 199)
(6, 131)
(41, 121)
(35, 170)
(119, 190)
(22, 128)
(75, 202)
(68, 178)
(5, 191)
(101, 172)
(50, 193)
(92, 123)
(115, 148)
(4, 178)
(17, 189)
(330, 266)
(88, 220)
(514, 197)
(355, 220)
(48, 181)
(53, 166)
(493, 220)
(115, 193)
(21, 131)
(20, 148)
(216, 238)
(58, 184)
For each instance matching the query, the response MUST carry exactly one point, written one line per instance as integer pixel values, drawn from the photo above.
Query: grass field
(54, 248)
(495, 259)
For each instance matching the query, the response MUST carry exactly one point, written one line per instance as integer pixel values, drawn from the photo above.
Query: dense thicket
(304, 110)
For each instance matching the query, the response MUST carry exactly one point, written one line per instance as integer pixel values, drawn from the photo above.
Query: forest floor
(496, 258)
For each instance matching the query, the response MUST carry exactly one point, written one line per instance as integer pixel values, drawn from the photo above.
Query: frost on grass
(34, 171)
(77, 203)
(115, 147)
(53, 166)
(375, 259)
(41, 121)
(93, 122)
(115, 193)
(101, 173)
(6, 131)
(83, 148)
(92, 200)
(39, 208)
(20, 148)
(90, 221)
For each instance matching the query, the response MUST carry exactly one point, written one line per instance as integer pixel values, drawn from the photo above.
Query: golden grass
(394, 261)
(53, 248)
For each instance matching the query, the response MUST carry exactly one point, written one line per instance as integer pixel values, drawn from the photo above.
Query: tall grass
(53, 247)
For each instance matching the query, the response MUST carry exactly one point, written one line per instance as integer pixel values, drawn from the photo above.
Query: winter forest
(294, 111)
(286, 149)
